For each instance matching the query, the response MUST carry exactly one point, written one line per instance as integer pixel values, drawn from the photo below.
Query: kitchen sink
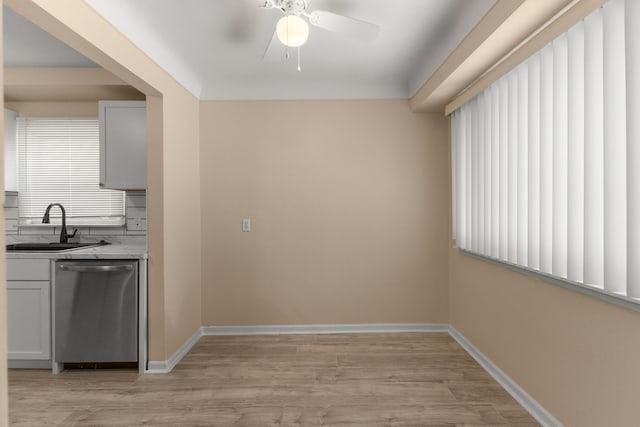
(50, 247)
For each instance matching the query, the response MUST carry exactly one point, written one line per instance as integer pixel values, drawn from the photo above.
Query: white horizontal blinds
(632, 55)
(552, 157)
(59, 163)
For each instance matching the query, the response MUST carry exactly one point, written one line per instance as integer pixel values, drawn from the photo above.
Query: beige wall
(181, 214)
(173, 170)
(347, 201)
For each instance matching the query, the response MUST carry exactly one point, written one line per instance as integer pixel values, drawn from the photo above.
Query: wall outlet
(246, 224)
(134, 224)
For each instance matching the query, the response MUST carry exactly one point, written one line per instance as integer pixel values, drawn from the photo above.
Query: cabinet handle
(95, 268)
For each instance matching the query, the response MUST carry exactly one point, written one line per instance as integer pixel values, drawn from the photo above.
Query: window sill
(619, 300)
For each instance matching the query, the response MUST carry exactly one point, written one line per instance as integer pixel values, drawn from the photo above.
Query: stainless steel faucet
(64, 237)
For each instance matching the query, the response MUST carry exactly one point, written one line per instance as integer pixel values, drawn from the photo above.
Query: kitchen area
(75, 214)
(84, 307)
(45, 79)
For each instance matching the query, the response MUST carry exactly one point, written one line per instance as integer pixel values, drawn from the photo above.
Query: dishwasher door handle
(95, 268)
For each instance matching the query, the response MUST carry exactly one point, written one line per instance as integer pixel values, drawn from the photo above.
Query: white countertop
(112, 251)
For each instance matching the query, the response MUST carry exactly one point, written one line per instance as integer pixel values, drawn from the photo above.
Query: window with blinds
(546, 161)
(58, 162)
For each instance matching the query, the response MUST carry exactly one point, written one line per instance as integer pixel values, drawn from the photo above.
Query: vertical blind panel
(462, 178)
(575, 152)
(487, 173)
(560, 133)
(481, 167)
(594, 152)
(615, 171)
(632, 42)
(495, 172)
(465, 196)
(454, 172)
(473, 132)
(547, 158)
(522, 74)
(59, 163)
(504, 169)
(533, 202)
(469, 189)
(512, 149)
(455, 146)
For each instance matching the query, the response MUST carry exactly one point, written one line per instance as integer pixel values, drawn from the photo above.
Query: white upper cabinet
(123, 145)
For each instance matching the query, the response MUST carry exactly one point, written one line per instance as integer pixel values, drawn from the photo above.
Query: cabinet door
(28, 320)
(123, 145)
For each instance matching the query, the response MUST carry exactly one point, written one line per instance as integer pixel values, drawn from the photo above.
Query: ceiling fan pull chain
(299, 69)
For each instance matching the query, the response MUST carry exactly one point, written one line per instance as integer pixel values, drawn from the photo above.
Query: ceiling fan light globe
(292, 31)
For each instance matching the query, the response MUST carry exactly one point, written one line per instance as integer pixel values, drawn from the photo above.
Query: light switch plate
(246, 224)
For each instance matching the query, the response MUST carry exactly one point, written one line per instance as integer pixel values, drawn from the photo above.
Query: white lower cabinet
(28, 320)
(28, 309)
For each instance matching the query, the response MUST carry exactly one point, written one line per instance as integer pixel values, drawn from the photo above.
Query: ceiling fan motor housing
(293, 7)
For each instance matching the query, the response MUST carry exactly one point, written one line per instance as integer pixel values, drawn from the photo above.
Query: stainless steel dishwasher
(96, 311)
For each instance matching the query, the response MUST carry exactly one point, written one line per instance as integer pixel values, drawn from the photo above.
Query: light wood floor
(287, 380)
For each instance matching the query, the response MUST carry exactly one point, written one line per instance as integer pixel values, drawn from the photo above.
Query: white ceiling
(215, 48)
(26, 45)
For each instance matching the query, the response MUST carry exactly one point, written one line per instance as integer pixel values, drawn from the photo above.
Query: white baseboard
(325, 329)
(522, 397)
(166, 366)
(29, 364)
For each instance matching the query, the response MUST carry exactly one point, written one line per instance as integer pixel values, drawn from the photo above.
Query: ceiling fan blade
(350, 27)
(275, 50)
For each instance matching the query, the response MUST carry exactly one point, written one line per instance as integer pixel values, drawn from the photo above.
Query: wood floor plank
(408, 379)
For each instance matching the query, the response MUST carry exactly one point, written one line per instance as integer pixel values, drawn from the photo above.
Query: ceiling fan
(292, 29)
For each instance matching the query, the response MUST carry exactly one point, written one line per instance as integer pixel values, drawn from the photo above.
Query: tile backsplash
(135, 225)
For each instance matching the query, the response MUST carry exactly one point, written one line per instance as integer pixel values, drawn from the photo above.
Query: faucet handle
(72, 234)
